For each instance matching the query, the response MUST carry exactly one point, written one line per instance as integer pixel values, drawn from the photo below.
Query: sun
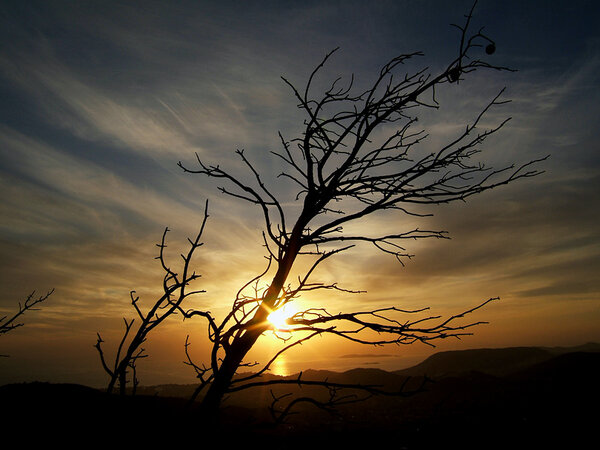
(279, 316)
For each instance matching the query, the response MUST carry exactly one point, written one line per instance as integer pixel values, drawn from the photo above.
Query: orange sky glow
(101, 103)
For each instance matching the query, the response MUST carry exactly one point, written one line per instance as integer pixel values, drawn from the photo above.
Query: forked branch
(30, 304)
(170, 303)
(10, 323)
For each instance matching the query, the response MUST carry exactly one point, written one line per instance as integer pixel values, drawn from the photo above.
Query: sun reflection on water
(280, 367)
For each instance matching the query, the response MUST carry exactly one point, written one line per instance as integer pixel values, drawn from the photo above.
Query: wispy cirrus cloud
(94, 115)
(103, 100)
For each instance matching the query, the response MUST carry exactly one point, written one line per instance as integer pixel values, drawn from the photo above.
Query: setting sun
(279, 316)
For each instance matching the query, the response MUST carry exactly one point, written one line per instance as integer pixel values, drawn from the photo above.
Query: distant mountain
(568, 365)
(491, 361)
(590, 347)
(360, 376)
(496, 362)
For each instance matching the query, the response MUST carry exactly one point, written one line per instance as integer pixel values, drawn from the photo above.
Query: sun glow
(279, 316)
(279, 367)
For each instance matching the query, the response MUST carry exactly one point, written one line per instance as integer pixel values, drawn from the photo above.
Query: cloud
(90, 233)
(111, 96)
(93, 115)
(84, 182)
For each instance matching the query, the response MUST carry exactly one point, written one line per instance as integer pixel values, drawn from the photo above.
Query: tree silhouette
(129, 351)
(345, 172)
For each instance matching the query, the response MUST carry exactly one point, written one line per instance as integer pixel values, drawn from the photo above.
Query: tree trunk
(211, 403)
(241, 346)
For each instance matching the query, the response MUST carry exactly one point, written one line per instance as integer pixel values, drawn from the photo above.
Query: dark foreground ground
(551, 402)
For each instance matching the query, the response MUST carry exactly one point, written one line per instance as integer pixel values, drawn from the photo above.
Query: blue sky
(100, 100)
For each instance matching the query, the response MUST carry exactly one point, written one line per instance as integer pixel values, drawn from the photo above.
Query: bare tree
(344, 173)
(170, 303)
(8, 324)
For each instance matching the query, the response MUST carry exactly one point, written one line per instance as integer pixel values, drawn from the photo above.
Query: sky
(102, 99)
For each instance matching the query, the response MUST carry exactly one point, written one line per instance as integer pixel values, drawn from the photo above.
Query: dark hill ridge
(377, 378)
(496, 362)
(567, 365)
(543, 405)
(362, 376)
(537, 405)
(491, 361)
